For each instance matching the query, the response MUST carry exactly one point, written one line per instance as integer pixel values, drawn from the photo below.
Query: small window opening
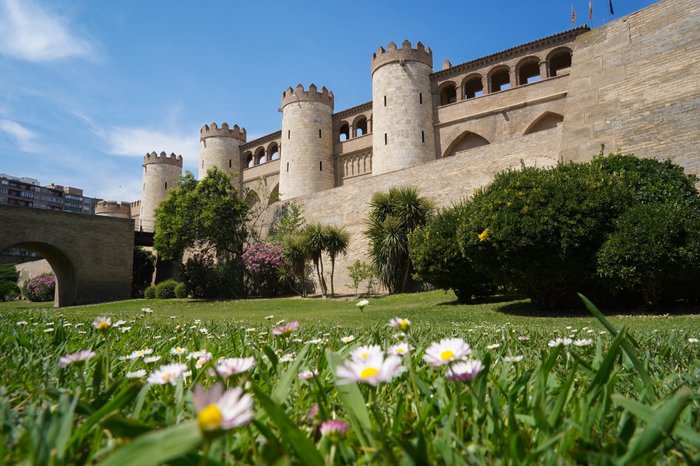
(448, 94)
(529, 73)
(422, 136)
(385, 101)
(275, 153)
(420, 98)
(344, 133)
(289, 133)
(500, 80)
(560, 63)
(319, 134)
(166, 185)
(320, 165)
(361, 127)
(249, 161)
(385, 139)
(229, 163)
(287, 167)
(473, 88)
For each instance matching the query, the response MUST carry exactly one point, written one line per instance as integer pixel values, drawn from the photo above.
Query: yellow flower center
(404, 324)
(364, 355)
(102, 326)
(210, 418)
(484, 235)
(399, 350)
(368, 372)
(447, 355)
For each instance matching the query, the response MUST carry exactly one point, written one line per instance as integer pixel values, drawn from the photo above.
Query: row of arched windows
(358, 127)
(261, 155)
(528, 70)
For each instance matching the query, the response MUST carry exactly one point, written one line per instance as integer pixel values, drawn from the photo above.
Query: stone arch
(472, 86)
(252, 198)
(61, 265)
(260, 157)
(274, 195)
(558, 61)
(547, 120)
(360, 125)
(465, 141)
(499, 78)
(249, 160)
(274, 151)
(527, 70)
(447, 93)
(344, 131)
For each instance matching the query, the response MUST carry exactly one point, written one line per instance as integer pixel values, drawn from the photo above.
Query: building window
(385, 139)
(385, 101)
(320, 165)
(289, 133)
(473, 88)
(287, 167)
(420, 98)
(319, 134)
(229, 163)
(422, 136)
(448, 94)
(166, 185)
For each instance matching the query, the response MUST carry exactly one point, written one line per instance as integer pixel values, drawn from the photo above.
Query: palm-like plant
(315, 240)
(392, 217)
(295, 254)
(337, 240)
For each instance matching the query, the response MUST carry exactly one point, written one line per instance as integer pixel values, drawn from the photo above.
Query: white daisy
(400, 349)
(373, 371)
(139, 374)
(583, 342)
(228, 367)
(218, 410)
(560, 342)
(347, 339)
(363, 353)
(446, 351)
(464, 371)
(400, 323)
(169, 373)
(512, 358)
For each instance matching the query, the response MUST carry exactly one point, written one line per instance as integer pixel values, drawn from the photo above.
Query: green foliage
(392, 217)
(41, 288)
(8, 273)
(206, 278)
(166, 289)
(149, 292)
(360, 271)
(294, 248)
(288, 219)
(438, 260)
(9, 291)
(143, 268)
(207, 213)
(336, 242)
(314, 245)
(180, 291)
(538, 230)
(655, 248)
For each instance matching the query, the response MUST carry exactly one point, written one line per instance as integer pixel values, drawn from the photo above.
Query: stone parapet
(113, 209)
(393, 54)
(290, 96)
(163, 158)
(223, 131)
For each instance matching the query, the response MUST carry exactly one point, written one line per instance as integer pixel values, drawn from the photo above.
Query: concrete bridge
(91, 255)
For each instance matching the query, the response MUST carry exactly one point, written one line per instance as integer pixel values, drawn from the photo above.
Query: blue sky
(87, 87)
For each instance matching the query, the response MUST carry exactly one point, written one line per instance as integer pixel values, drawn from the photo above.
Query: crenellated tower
(220, 147)
(402, 109)
(161, 174)
(306, 161)
(113, 209)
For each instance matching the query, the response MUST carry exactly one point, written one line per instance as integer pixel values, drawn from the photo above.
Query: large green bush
(142, 271)
(205, 278)
(166, 289)
(8, 291)
(654, 250)
(538, 230)
(438, 260)
(181, 290)
(149, 292)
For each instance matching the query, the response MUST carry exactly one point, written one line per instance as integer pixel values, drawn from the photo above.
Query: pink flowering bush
(264, 264)
(41, 288)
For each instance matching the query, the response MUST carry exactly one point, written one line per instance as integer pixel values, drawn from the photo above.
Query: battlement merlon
(223, 131)
(290, 96)
(163, 158)
(113, 207)
(393, 54)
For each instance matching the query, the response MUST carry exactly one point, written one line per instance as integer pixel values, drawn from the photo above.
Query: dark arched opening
(360, 126)
(500, 80)
(528, 71)
(559, 62)
(344, 132)
(260, 156)
(448, 93)
(249, 161)
(274, 151)
(473, 87)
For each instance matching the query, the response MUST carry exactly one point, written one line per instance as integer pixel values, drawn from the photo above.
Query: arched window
(249, 161)
(473, 87)
(273, 150)
(559, 62)
(344, 132)
(274, 194)
(260, 156)
(547, 120)
(465, 141)
(528, 70)
(499, 80)
(360, 126)
(448, 93)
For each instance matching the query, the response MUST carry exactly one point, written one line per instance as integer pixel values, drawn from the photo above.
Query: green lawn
(435, 309)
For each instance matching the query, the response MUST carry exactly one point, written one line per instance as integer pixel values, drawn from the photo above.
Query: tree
(336, 242)
(295, 254)
(314, 244)
(392, 218)
(208, 219)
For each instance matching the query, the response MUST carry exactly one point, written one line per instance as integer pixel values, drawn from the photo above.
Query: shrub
(263, 262)
(166, 289)
(41, 288)
(180, 291)
(8, 273)
(655, 248)
(360, 271)
(8, 291)
(538, 230)
(204, 278)
(149, 292)
(438, 260)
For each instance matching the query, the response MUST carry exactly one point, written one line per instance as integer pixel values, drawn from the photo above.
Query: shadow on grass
(483, 300)
(528, 309)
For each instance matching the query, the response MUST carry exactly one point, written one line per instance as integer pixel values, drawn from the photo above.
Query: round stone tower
(220, 147)
(113, 209)
(402, 109)
(306, 161)
(161, 174)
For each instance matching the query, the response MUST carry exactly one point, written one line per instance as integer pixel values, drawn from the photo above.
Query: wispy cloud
(22, 137)
(139, 141)
(30, 32)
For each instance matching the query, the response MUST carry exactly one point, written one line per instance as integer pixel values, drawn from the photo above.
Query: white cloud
(137, 142)
(30, 32)
(22, 137)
